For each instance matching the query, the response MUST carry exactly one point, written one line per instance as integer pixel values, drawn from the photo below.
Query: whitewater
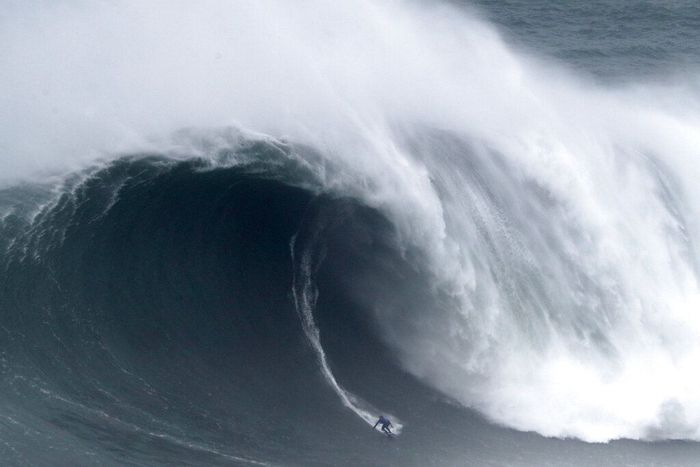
(536, 225)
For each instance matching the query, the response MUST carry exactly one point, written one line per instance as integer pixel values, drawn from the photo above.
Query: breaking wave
(530, 235)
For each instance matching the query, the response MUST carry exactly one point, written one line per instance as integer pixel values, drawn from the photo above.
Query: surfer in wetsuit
(386, 424)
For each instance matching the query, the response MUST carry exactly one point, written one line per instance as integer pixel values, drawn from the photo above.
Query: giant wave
(291, 190)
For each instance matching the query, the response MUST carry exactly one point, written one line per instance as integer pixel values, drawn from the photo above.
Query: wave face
(147, 308)
(250, 215)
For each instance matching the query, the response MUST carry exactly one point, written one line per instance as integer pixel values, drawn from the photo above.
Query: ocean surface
(235, 233)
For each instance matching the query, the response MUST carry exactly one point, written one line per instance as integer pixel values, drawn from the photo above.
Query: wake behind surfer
(386, 424)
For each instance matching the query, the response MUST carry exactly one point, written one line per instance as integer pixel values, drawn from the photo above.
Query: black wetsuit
(385, 424)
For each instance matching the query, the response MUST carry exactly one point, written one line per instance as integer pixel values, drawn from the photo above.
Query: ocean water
(617, 41)
(235, 233)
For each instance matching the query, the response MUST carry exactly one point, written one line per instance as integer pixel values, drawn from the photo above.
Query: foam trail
(305, 295)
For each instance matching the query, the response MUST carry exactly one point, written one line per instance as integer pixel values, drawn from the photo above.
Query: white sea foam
(561, 223)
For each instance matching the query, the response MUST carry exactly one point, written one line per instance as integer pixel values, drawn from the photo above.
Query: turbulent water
(236, 233)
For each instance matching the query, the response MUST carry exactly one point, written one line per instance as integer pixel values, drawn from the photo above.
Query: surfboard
(388, 435)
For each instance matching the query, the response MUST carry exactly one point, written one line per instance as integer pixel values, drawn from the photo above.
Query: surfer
(386, 424)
